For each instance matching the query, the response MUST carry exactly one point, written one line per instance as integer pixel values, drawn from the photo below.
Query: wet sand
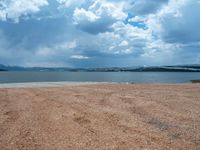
(100, 116)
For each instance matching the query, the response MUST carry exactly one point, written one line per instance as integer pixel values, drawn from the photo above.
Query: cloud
(81, 15)
(79, 57)
(14, 9)
(67, 45)
(124, 43)
(100, 32)
(71, 3)
(176, 22)
(175, 31)
(98, 17)
(144, 7)
(185, 23)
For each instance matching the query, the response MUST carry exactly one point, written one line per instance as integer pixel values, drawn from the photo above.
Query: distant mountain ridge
(176, 68)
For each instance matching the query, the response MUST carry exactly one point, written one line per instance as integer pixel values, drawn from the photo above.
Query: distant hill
(178, 68)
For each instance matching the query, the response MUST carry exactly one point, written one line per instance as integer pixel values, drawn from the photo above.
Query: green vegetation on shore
(195, 81)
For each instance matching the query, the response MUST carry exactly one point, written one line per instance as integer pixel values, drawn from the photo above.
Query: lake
(133, 77)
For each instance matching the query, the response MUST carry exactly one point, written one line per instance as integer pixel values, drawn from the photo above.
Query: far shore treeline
(180, 68)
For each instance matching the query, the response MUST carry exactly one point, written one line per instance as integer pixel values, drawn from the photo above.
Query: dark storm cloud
(144, 7)
(183, 28)
(34, 33)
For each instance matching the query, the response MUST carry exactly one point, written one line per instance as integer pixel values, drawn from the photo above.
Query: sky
(99, 33)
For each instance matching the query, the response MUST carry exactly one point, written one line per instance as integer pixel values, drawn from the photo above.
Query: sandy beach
(99, 116)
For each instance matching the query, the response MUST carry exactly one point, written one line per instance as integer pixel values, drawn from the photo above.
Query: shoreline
(71, 83)
(47, 84)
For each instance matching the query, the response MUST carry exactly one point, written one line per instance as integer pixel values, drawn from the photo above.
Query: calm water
(136, 77)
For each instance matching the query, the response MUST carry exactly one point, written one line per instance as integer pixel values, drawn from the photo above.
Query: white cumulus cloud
(13, 9)
(99, 16)
(81, 57)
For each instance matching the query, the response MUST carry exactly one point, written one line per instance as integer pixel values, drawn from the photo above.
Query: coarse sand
(101, 117)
